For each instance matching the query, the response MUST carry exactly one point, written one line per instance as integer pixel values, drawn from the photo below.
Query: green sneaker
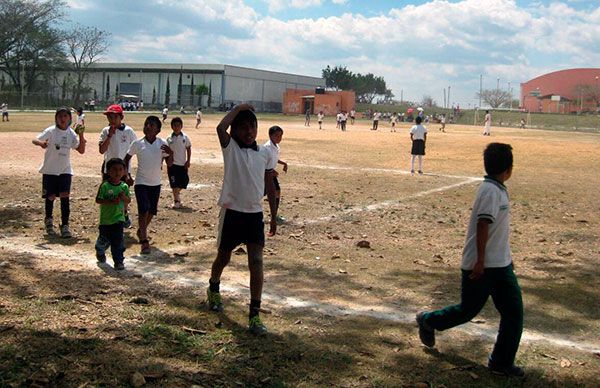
(256, 326)
(280, 220)
(215, 303)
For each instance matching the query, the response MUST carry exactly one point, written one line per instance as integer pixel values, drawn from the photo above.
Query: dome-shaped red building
(562, 91)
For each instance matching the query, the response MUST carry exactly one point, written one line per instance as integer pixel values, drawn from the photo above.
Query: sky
(419, 47)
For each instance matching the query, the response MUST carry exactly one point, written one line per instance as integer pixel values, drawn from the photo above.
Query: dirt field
(340, 315)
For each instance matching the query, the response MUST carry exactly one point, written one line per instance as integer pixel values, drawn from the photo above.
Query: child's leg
(412, 163)
(255, 264)
(474, 294)
(65, 208)
(102, 242)
(117, 243)
(506, 295)
(176, 195)
(144, 220)
(420, 163)
(277, 200)
(221, 261)
(49, 206)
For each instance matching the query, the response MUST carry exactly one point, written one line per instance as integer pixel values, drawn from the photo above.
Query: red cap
(114, 109)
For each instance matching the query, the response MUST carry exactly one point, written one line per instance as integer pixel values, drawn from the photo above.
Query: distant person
(338, 120)
(487, 268)
(113, 197)
(307, 118)
(92, 105)
(5, 112)
(80, 124)
(178, 174)
(393, 120)
(198, 117)
(150, 151)
(487, 123)
(418, 136)
(352, 116)
(376, 117)
(443, 123)
(245, 179)
(182, 110)
(165, 113)
(522, 124)
(57, 173)
(343, 120)
(275, 137)
(320, 116)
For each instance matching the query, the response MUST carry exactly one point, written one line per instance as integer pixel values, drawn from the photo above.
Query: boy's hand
(112, 130)
(43, 144)
(477, 271)
(272, 227)
(166, 149)
(285, 167)
(129, 180)
(187, 165)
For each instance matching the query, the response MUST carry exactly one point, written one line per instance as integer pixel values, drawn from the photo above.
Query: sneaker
(215, 303)
(512, 370)
(426, 333)
(119, 266)
(280, 220)
(127, 223)
(49, 224)
(65, 232)
(420, 172)
(101, 257)
(145, 248)
(412, 171)
(256, 327)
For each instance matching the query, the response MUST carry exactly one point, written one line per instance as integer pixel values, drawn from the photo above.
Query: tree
(495, 98)
(339, 78)
(589, 93)
(116, 92)
(368, 86)
(107, 87)
(85, 46)
(179, 88)
(428, 101)
(168, 93)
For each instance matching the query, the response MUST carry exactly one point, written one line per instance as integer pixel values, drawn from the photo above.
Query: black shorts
(164, 116)
(147, 198)
(418, 147)
(53, 185)
(178, 177)
(237, 228)
(4, 114)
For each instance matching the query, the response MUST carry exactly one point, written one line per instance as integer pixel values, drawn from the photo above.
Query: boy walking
(150, 151)
(5, 111)
(246, 175)
(487, 268)
(181, 145)
(113, 196)
(198, 117)
(275, 136)
(57, 174)
(418, 136)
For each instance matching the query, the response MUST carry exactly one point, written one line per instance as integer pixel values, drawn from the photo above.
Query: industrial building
(157, 84)
(564, 91)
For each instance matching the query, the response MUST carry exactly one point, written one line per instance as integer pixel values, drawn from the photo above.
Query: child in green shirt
(112, 197)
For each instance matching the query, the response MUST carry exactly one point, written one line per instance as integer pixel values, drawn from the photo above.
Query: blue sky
(419, 47)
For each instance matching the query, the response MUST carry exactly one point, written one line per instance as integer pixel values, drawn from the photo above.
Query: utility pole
(448, 97)
(445, 98)
(498, 84)
(480, 88)
(510, 95)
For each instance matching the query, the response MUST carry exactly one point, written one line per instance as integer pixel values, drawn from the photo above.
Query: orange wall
(330, 103)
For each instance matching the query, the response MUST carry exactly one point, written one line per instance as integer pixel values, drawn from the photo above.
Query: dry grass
(64, 321)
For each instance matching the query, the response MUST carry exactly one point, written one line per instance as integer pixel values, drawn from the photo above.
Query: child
(150, 151)
(307, 118)
(115, 140)
(5, 111)
(343, 120)
(165, 113)
(443, 123)
(275, 136)
(338, 120)
(487, 123)
(57, 140)
(393, 120)
(320, 118)
(522, 123)
(80, 125)
(352, 116)
(241, 219)
(113, 196)
(376, 118)
(198, 117)
(487, 268)
(418, 136)
(181, 145)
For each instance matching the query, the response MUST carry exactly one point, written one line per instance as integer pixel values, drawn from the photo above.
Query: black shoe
(426, 333)
(101, 257)
(119, 266)
(512, 370)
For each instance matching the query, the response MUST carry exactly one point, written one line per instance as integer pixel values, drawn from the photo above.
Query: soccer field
(341, 314)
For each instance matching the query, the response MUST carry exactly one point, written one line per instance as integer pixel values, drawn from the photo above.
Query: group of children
(249, 174)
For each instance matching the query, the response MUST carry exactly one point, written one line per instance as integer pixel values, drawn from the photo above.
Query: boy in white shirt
(275, 136)
(165, 113)
(57, 174)
(181, 145)
(5, 111)
(487, 268)
(376, 118)
(393, 120)
(246, 175)
(487, 123)
(352, 116)
(320, 116)
(418, 136)
(198, 117)
(150, 151)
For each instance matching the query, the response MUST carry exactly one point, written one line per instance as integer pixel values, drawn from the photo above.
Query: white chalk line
(150, 269)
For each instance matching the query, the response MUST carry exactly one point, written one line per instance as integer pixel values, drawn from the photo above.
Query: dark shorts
(164, 116)
(418, 147)
(147, 198)
(4, 114)
(53, 185)
(237, 228)
(178, 177)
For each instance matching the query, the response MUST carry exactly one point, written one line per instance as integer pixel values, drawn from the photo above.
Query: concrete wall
(329, 103)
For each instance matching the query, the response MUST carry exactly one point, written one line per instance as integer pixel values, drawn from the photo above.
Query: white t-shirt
(376, 116)
(418, 132)
(4, 108)
(338, 117)
(198, 115)
(244, 177)
(491, 203)
(57, 159)
(149, 158)
(179, 145)
(274, 149)
(320, 117)
(119, 142)
(80, 118)
(488, 119)
(165, 111)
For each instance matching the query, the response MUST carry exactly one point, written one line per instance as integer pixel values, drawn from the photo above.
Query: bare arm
(226, 121)
(270, 186)
(483, 226)
(82, 141)
(285, 165)
(43, 144)
(189, 157)
(106, 142)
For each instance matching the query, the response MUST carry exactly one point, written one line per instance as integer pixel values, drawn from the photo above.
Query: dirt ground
(340, 315)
